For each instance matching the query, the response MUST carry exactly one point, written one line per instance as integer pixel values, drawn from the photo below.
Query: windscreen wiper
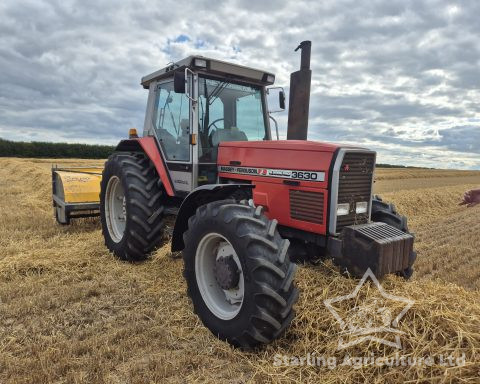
(216, 91)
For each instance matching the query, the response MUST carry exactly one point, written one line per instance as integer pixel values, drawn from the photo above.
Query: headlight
(343, 209)
(361, 207)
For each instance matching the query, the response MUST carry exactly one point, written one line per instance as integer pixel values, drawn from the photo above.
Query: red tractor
(246, 205)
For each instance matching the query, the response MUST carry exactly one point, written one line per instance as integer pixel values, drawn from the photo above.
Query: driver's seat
(228, 134)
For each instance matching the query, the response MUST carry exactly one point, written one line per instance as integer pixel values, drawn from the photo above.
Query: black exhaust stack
(299, 101)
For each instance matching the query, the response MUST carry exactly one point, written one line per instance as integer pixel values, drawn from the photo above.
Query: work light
(343, 209)
(361, 207)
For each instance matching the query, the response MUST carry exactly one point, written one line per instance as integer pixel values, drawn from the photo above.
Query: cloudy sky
(400, 77)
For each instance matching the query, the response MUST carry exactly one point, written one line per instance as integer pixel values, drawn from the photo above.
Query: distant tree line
(380, 165)
(53, 150)
(80, 151)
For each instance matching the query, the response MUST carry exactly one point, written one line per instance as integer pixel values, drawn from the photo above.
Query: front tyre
(130, 206)
(238, 273)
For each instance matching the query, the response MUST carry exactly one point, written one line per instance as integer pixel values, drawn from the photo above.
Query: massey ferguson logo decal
(262, 172)
(280, 173)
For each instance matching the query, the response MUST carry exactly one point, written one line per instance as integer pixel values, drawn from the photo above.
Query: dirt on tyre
(131, 207)
(238, 273)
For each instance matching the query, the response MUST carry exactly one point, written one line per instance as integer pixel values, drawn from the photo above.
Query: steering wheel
(214, 123)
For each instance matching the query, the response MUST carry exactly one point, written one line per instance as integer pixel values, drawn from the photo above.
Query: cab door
(172, 124)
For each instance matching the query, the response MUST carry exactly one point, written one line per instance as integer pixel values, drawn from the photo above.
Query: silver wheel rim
(115, 209)
(224, 304)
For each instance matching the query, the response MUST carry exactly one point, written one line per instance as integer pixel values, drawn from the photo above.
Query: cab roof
(214, 66)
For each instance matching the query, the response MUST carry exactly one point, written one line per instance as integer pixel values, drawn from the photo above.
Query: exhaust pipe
(299, 100)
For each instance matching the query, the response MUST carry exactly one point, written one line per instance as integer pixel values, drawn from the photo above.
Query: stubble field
(71, 313)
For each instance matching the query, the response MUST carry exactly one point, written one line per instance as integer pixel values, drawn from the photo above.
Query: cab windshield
(228, 112)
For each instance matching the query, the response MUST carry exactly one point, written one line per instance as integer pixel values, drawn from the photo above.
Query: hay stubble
(72, 313)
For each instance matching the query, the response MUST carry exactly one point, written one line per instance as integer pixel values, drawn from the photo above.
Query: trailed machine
(246, 206)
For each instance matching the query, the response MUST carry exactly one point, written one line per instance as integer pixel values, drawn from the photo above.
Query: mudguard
(149, 146)
(200, 196)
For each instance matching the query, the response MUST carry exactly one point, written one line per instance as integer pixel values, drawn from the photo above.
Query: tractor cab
(198, 102)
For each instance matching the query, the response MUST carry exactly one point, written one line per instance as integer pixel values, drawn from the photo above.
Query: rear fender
(202, 195)
(150, 148)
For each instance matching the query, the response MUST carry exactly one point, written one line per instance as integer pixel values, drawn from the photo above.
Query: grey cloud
(462, 139)
(401, 75)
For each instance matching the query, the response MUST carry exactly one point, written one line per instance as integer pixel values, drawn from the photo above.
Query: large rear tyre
(387, 213)
(130, 206)
(238, 273)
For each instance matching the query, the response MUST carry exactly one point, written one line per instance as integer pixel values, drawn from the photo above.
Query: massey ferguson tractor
(247, 206)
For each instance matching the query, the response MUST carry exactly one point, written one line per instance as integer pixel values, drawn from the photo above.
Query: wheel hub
(227, 274)
(219, 276)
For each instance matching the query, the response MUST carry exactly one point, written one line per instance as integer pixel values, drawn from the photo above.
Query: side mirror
(281, 99)
(179, 82)
(276, 99)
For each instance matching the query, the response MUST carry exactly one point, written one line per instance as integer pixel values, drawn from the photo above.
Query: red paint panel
(272, 192)
(282, 155)
(151, 150)
(275, 180)
(260, 198)
(279, 205)
(275, 196)
(292, 145)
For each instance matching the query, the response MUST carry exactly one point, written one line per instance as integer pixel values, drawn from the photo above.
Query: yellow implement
(76, 192)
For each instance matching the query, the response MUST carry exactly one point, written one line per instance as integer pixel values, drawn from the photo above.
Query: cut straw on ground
(72, 313)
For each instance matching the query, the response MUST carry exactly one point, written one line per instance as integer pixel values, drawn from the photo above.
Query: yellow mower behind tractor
(76, 192)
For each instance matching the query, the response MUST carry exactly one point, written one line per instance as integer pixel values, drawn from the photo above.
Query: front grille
(354, 185)
(306, 206)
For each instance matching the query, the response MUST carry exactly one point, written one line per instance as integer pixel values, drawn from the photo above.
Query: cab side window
(250, 116)
(207, 127)
(171, 122)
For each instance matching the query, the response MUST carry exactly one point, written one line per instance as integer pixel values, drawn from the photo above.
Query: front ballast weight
(378, 246)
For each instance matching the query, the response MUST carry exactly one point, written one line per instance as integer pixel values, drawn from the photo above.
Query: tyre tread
(274, 293)
(143, 191)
